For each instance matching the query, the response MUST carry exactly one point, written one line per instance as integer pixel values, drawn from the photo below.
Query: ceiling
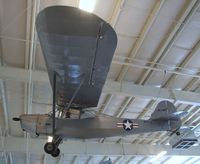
(158, 47)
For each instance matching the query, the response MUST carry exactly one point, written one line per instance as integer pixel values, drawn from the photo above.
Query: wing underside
(79, 47)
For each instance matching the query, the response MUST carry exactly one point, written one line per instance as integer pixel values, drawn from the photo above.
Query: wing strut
(74, 95)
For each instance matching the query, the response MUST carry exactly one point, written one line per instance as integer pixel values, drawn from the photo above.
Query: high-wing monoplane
(78, 48)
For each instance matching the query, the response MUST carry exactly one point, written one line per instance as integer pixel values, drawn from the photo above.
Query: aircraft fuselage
(96, 127)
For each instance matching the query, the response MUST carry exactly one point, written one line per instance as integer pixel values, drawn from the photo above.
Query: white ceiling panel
(15, 107)
(174, 57)
(158, 79)
(191, 33)
(104, 8)
(39, 59)
(159, 30)
(131, 20)
(124, 45)
(142, 5)
(133, 74)
(13, 18)
(13, 56)
(47, 3)
(193, 64)
(114, 70)
(42, 93)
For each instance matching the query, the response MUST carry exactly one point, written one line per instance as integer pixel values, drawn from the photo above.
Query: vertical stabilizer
(166, 110)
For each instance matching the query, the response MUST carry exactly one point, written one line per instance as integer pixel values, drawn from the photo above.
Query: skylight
(87, 5)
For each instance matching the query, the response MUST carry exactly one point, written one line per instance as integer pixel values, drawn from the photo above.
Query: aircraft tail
(166, 110)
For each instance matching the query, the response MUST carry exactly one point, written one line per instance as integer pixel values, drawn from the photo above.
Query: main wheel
(49, 147)
(55, 153)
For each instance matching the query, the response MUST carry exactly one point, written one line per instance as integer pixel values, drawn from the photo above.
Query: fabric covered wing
(79, 47)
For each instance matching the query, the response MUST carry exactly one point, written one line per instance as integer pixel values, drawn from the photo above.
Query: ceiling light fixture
(87, 5)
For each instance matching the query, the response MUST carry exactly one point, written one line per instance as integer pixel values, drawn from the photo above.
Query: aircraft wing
(79, 47)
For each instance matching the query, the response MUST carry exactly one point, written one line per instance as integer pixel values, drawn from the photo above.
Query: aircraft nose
(28, 123)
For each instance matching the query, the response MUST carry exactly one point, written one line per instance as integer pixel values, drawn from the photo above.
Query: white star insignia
(128, 125)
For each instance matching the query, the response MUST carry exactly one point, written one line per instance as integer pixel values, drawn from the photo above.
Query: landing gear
(52, 147)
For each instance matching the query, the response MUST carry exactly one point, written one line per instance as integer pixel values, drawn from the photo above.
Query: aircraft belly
(79, 47)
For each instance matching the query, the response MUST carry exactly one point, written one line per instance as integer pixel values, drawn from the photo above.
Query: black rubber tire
(49, 147)
(178, 133)
(56, 153)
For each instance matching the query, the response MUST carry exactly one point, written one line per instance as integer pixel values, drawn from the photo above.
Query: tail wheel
(56, 153)
(49, 147)
(178, 133)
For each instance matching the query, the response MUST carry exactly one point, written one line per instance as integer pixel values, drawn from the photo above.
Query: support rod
(54, 104)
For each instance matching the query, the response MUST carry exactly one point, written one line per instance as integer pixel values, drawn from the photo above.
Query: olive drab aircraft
(78, 48)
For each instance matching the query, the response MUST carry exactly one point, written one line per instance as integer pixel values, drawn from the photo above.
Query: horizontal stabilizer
(166, 110)
(179, 114)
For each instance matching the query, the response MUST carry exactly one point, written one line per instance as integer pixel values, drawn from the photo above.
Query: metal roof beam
(30, 53)
(142, 160)
(166, 160)
(184, 62)
(136, 46)
(44, 157)
(116, 12)
(117, 159)
(74, 159)
(130, 160)
(129, 89)
(103, 159)
(15, 144)
(89, 160)
(4, 95)
(106, 103)
(4, 102)
(184, 17)
(197, 160)
(187, 160)
(111, 87)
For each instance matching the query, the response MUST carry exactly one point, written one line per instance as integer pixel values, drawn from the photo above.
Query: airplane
(78, 48)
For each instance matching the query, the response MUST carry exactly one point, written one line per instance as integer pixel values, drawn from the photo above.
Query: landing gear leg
(52, 147)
